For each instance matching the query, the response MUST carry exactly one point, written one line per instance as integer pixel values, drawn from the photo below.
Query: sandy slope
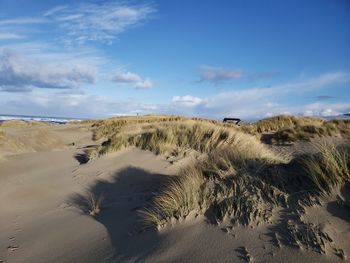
(43, 199)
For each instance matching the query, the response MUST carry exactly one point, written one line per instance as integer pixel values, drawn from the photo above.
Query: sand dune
(45, 200)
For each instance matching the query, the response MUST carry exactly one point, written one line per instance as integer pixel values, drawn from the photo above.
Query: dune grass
(221, 184)
(226, 153)
(21, 124)
(182, 195)
(287, 129)
(227, 184)
(108, 127)
(177, 138)
(94, 203)
(328, 168)
(282, 122)
(236, 175)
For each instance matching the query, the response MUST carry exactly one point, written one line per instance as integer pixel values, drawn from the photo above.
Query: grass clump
(281, 122)
(234, 175)
(176, 139)
(181, 196)
(109, 127)
(21, 124)
(328, 168)
(287, 129)
(94, 204)
(218, 185)
(229, 183)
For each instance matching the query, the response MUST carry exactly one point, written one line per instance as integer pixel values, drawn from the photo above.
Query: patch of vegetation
(286, 129)
(220, 185)
(326, 169)
(94, 203)
(227, 185)
(281, 122)
(235, 176)
(108, 127)
(21, 124)
(177, 138)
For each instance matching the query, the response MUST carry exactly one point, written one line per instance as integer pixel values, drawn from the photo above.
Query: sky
(205, 58)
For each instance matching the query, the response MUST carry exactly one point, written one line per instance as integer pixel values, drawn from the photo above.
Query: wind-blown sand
(44, 216)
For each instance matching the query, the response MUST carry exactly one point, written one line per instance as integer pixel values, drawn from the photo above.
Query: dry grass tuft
(178, 137)
(328, 169)
(235, 176)
(94, 203)
(282, 122)
(218, 185)
(106, 128)
(21, 124)
(181, 196)
(231, 183)
(286, 129)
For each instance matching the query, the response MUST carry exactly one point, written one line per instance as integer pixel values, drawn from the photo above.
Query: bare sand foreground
(45, 184)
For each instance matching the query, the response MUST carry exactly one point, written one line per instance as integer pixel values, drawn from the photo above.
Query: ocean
(57, 120)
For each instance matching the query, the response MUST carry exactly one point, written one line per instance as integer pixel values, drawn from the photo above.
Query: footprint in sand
(244, 254)
(12, 248)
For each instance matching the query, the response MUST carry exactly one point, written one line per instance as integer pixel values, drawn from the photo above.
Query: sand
(44, 216)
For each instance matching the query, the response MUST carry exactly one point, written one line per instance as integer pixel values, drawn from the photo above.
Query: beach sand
(45, 186)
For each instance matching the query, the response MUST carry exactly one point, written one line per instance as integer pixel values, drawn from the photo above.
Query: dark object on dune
(232, 120)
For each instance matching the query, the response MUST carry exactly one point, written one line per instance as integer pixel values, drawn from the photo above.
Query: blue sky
(248, 59)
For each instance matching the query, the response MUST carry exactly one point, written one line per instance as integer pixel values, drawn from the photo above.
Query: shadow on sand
(341, 208)
(81, 158)
(123, 195)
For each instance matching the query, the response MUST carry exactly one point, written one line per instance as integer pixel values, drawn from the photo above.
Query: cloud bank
(259, 102)
(98, 22)
(215, 75)
(18, 73)
(133, 79)
(246, 104)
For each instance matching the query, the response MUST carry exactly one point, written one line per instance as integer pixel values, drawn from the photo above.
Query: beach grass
(234, 174)
(22, 124)
(286, 129)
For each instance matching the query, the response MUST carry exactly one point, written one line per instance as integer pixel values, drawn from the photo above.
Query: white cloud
(329, 112)
(271, 105)
(309, 113)
(18, 73)
(187, 100)
(326, 109)
(83, 22)
(316, 82)
(245, 104)
(144, 84)
(6, 36)
(72, 103)
(99, 22)
(260, 102)
(126, 77)
(55, 10)
(132, 78)
(215, 75)
(22, 21)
